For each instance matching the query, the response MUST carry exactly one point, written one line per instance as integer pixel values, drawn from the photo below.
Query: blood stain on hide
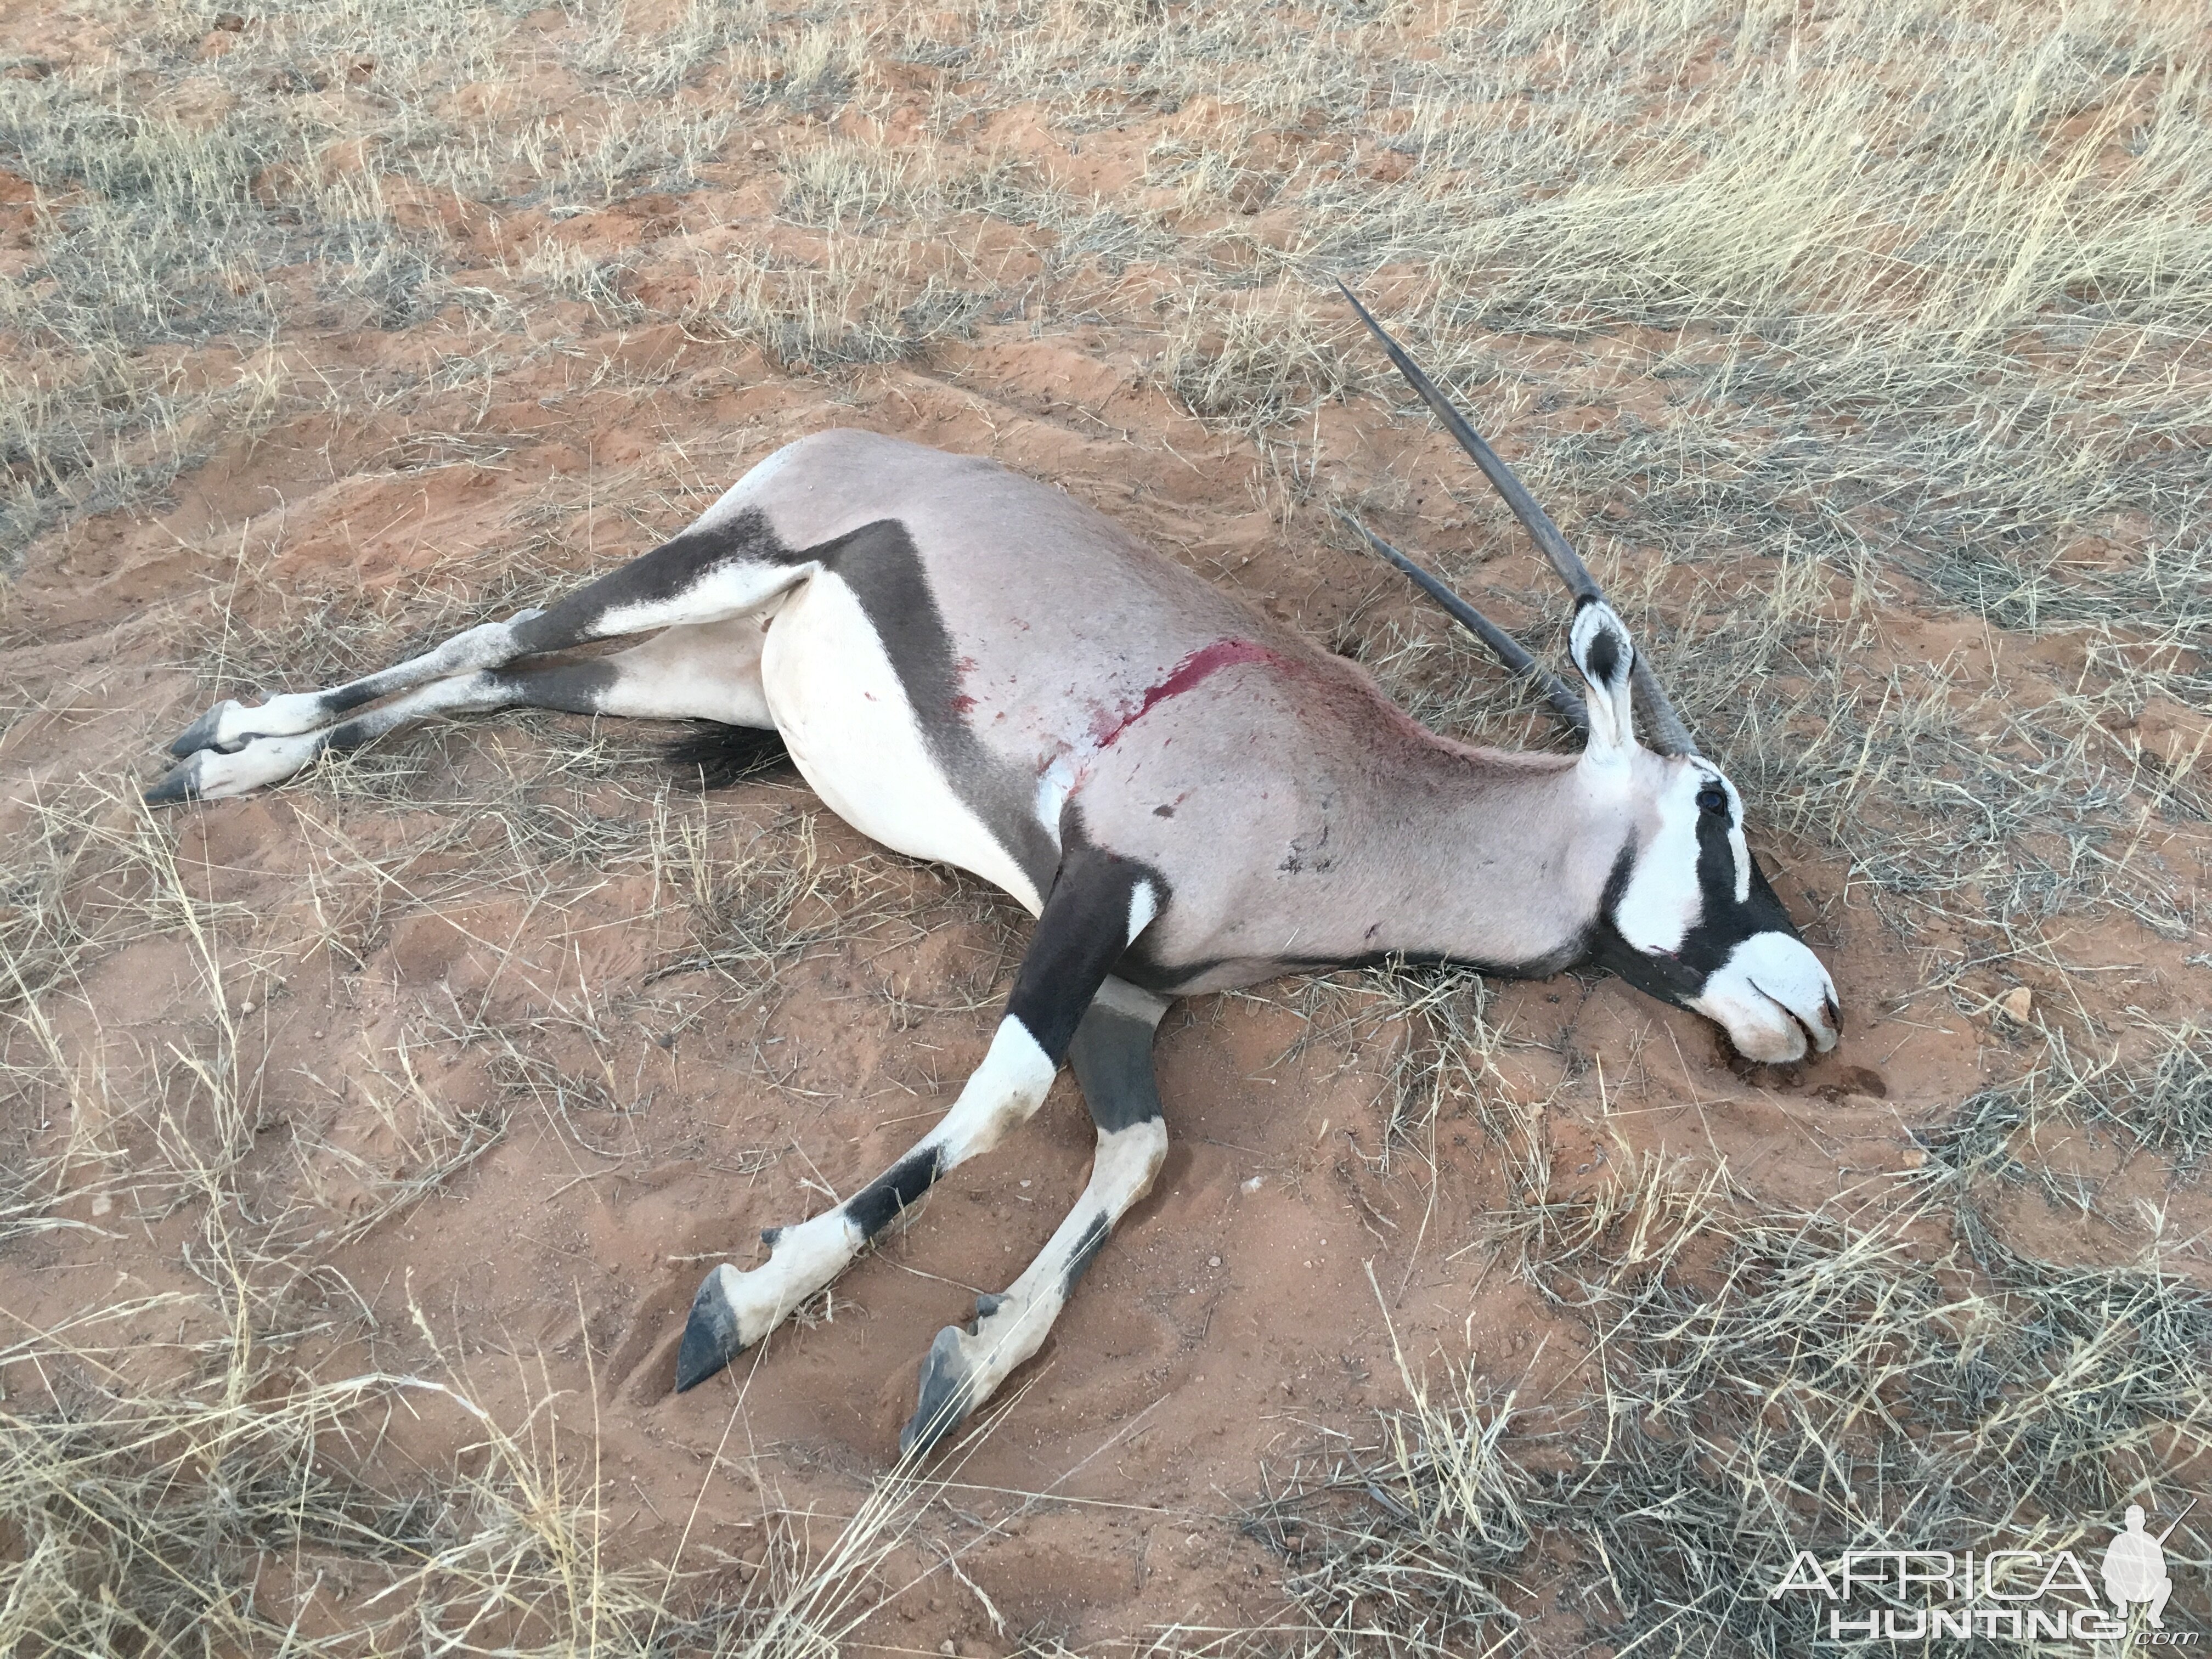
(1193, 670)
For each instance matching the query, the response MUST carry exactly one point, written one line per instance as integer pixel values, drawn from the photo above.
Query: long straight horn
(1674, 737)
(1502, 645)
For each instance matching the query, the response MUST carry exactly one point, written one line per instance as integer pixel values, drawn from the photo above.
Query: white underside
(700, 670)
(851, 731)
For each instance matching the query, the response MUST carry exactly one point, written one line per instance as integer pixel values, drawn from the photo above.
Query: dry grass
(216, 1490)
(251, 1507)
(1802, 320)
(1766, 1383)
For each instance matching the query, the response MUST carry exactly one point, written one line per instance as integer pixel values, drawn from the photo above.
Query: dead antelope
(970, 666)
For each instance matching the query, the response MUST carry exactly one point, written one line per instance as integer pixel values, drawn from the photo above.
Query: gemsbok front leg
(1098, 905)
(1113, 1059)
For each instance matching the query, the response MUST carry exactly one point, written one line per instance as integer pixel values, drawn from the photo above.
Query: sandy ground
(383, 943)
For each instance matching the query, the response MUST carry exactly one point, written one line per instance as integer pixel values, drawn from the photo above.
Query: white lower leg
(213, 775)
(290, 713)
(965, 1367)
(736, 1308)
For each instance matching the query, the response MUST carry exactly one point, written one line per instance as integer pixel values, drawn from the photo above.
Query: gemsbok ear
(1607, 657)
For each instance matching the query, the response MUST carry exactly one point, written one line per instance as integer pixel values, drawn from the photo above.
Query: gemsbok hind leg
(1113, 1059)
(708, 671)
(1097, 907)
(701, 577)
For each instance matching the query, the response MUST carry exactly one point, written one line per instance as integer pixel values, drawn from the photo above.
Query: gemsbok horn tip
(1672, 736)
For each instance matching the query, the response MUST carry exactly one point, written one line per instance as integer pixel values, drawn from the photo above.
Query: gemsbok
(969, 665)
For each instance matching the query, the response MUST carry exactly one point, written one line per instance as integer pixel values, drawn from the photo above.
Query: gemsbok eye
(1712, 798)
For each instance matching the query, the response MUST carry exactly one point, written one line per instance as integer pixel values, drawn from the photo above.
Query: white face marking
(1767, 978)
(1739, 848)
(1664, 900)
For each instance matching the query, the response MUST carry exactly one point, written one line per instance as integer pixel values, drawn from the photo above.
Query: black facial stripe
(1706, 948)
(1716, 864)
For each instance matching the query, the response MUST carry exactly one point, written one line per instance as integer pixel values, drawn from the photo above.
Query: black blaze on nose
(1717, 866)
(1723, 924)
(877, 1205)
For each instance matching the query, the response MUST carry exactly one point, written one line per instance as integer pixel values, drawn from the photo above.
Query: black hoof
(944, 1404)
(711, 1338)
(181, 783)
(200, 734)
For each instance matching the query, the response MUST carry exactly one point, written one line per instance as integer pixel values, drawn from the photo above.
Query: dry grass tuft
(1767, 1383)
(246, 1507)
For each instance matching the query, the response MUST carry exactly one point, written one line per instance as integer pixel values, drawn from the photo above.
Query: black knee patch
(347, 698)
(875, 1205)
(1093, 1241)
(567, 687)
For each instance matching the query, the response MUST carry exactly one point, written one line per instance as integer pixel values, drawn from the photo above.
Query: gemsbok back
(967, 665)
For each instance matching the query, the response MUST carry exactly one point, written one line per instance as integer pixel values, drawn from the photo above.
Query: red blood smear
(1200, 665)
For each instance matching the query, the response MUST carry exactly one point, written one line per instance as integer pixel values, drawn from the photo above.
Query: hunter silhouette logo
(2135, 1566)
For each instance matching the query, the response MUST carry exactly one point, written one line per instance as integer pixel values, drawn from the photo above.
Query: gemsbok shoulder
(970, 666)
